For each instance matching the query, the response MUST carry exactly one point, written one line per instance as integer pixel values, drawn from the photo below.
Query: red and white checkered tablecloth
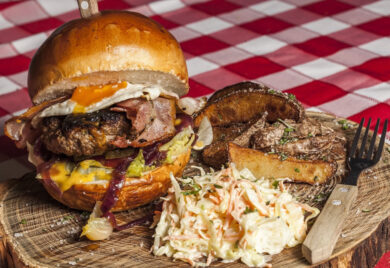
(333, 55)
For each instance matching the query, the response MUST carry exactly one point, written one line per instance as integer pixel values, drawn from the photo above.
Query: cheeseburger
(105, 124)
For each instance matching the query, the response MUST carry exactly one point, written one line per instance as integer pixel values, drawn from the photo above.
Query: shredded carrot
(236, 208)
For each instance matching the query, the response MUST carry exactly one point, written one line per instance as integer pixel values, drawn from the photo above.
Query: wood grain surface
(321, 240)
(39, 232)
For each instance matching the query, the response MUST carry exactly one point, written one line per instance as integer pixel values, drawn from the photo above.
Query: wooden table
(39, 232)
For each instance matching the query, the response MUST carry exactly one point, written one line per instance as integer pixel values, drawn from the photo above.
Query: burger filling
(78, 135)
(84, 137)
(105, 134)
(66, 173)
(135, 122)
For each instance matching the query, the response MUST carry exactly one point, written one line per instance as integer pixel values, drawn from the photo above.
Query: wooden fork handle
(319, 243)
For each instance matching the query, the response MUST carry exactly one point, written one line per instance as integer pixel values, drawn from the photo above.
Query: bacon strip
(139, 111)
(159, 128)
(20, 128)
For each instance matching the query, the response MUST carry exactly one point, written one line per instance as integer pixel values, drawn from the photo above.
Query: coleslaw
(229, 215)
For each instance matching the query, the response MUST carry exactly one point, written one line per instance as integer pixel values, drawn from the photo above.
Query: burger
(106, 124)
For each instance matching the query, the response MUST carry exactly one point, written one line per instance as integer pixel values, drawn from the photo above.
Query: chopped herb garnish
(275, 184)
(324, 158)
(236, 244)
(218, 186)
(219, 116)
(297, 170)
(366, 210)
(288, 129)
(271, 91)
(319, 197)
(284, 123)
(283, 140)
(315, 178)
(67, 217)
(249, 210)
(202, 207)
(310, 135)
(283, 156)
(291, 96)
(344, 124)
(195, 190)
(268, 202)
(23, 221)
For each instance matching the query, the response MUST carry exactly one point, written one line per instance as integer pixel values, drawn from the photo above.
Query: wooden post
(88, 8)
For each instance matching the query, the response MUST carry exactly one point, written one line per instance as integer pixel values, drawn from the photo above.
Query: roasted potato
(271, 165)
(245, 101)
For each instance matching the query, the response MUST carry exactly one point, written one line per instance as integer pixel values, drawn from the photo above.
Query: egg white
(129, 92)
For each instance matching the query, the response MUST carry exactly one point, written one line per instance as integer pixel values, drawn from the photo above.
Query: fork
(319, 243)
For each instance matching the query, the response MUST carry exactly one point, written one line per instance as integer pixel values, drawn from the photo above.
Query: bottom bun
(136, 191)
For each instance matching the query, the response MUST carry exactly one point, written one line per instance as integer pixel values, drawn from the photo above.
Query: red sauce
(116, 184)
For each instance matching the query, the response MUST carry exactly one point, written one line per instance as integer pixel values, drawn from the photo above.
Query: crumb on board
(18, 234)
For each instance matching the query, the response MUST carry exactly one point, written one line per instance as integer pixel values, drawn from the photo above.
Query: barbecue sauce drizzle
(111, 197)
(151, 155)
(116, 184)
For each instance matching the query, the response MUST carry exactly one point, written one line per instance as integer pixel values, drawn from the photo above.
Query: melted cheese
(93, 98)
(86, 171)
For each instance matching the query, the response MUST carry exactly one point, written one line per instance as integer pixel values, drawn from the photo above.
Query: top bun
(106, 48)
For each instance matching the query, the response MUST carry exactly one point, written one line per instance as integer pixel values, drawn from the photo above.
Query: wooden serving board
(39, 232)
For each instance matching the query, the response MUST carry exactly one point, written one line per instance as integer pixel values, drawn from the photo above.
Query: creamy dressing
(229, 215)
(129, 92)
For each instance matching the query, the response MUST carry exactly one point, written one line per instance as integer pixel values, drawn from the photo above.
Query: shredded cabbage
(179, 144)
(229, 215)
(137, 166)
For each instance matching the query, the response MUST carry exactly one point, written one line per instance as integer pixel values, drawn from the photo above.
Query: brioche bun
(106, 48)
(135, 192)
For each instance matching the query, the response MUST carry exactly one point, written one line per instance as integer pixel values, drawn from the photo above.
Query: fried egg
(93, 98)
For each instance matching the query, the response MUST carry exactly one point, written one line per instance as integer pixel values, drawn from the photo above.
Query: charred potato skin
(246, 100)
(270, 165)
(215, 154)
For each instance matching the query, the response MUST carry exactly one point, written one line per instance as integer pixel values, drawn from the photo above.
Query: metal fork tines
(361, 159)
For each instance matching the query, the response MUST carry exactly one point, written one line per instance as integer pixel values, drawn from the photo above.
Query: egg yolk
(85, 96)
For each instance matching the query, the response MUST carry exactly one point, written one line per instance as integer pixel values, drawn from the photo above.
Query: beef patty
(84, 134)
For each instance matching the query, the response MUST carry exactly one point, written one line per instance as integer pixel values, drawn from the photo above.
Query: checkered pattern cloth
(333, 55)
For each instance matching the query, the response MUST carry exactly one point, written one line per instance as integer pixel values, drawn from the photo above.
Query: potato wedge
(245, 101)
(269, 165)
